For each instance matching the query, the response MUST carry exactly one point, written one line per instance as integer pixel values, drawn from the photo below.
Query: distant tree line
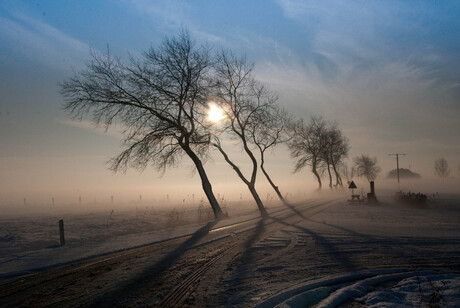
(403, 173)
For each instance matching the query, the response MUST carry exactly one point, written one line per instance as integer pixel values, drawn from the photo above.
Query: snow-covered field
(31, 242)
(385, 255)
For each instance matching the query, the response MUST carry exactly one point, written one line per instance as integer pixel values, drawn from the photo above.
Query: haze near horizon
(387, 72)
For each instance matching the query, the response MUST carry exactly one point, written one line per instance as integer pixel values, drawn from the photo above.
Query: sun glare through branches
(215, 114)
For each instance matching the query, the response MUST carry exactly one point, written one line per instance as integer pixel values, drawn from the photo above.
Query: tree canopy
(320, 145)
(160, 100)
(366, 166)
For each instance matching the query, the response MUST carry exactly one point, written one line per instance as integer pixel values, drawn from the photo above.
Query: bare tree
(336, 147)
(307, 145)
(347, 172)
(366, 166)
(325, 154)
(441, 168)
(241, 97)
(270, 129)
(160, 99)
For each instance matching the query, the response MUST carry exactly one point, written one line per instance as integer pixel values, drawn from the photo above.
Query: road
(238, 265)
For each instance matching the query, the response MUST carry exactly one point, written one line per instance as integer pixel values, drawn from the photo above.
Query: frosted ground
(385, 255)
(29, 239)
(403, 256)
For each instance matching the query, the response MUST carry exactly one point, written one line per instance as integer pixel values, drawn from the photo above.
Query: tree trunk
(262, 161)
(255, 195)
(207, 188)
(338, 179)
(330, 176)
(250, 185)
(313, 169)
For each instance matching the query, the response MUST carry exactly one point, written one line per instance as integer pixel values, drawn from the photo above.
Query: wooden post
(61, 232)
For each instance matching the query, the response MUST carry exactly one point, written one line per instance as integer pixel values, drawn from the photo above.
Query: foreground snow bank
(429, 290)
(377, 288)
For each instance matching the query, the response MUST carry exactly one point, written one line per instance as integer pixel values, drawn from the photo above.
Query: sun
(215, 114)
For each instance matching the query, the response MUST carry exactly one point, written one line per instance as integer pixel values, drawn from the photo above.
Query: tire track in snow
(179, 294)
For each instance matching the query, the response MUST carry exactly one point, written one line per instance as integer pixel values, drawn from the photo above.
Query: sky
(388, 72)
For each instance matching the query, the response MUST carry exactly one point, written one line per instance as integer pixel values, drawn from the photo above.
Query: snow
(31, 243)
(351, 229)
(353, 251)
(402, 288)
(443, 289)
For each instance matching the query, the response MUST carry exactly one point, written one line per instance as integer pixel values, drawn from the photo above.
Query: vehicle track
(30, 281)
(179, 294)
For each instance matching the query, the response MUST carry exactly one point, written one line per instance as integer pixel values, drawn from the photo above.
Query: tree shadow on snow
(354, 233)
(332, 250)
(138, 284)
(292, 208)
(246, 264)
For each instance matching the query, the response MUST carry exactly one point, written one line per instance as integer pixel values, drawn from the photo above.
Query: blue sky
(387, 71)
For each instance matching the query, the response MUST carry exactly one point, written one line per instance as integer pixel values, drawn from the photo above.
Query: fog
(296, 188)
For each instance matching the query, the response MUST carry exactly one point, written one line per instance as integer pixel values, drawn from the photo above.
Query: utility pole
(397, 163)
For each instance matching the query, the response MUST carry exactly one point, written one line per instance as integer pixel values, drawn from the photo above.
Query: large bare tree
(160, 99)
(241, 98)
(441, 168)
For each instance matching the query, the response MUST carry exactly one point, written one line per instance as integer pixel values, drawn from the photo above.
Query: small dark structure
(371, 198)
(354, 198)
(61, 232)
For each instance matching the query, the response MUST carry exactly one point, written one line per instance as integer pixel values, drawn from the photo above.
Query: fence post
(61, 232)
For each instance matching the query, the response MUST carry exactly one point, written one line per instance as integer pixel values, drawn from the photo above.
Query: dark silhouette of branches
(366, 166)
(335, 150)
(271, 128)
(441, 167)
(321, 146)
(347, 172)
(241, 98)
(307, 144)
(160, 100)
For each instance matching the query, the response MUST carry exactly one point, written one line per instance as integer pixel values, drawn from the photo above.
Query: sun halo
(215, 114)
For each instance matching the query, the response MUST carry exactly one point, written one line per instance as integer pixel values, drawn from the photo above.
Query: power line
(397, 163)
